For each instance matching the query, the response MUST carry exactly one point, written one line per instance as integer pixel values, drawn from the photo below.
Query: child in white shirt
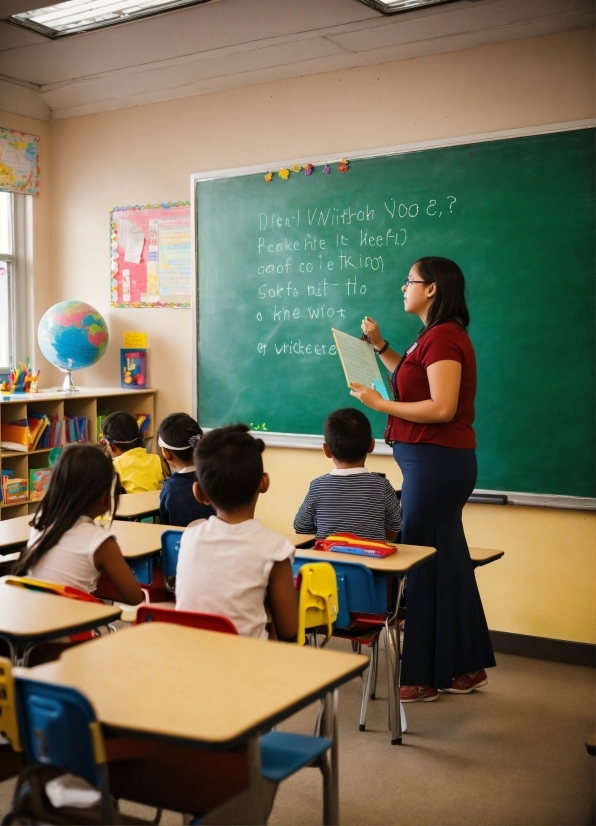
(231, 564)
(66, 545)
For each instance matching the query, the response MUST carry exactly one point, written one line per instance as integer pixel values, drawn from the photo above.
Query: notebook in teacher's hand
(359, 362)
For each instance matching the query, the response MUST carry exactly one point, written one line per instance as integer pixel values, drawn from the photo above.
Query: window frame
(19, 275)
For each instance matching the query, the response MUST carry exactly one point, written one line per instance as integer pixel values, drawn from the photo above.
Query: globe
(72, 335)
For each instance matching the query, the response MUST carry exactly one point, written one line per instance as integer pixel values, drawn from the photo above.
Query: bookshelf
(88, 402)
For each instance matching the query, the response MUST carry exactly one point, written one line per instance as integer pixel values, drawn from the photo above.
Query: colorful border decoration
(307, 168)
(150, 255)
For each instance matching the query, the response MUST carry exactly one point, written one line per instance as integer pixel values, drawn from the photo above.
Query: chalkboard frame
(313, 442)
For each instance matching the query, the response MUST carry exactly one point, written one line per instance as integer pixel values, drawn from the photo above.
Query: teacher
(446, 643)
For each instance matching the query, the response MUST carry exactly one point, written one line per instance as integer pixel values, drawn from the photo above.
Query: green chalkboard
(280, 263)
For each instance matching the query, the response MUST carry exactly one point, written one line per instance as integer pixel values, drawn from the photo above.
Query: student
(231, 564)
(350, 499)
(66, 546)
(177, 435)
(138, 470)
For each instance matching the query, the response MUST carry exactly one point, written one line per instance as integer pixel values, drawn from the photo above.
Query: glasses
(408, 281)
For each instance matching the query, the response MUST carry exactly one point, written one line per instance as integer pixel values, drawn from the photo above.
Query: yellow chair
(9, 725)
(318, 603)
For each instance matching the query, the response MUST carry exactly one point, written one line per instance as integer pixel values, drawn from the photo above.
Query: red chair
(192, 619)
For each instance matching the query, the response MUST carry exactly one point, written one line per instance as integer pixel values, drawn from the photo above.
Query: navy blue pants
(446, 632)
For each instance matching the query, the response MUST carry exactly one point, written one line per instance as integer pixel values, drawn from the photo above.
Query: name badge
(412, 348)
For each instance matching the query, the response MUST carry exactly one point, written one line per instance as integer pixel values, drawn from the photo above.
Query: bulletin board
(150, 255)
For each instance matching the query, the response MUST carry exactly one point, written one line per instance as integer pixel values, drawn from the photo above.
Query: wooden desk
(136, 539)
(482, 556)
(398, 566)
(32, 617)
(218, 690)
(136, 506)
(299, 539)
(14, 533)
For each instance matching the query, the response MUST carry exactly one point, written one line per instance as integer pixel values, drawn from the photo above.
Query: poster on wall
(19, 162)
(150, 255)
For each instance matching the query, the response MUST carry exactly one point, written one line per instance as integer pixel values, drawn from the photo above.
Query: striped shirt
(352, 500)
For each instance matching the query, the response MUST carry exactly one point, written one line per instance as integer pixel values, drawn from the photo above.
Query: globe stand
(68, 383)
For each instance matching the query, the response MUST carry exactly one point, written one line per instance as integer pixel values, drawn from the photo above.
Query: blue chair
(170, 548)
(60, 733)
(363, 617)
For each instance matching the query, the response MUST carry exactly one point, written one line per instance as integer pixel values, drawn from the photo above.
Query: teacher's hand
(370, 328)
(368, 396)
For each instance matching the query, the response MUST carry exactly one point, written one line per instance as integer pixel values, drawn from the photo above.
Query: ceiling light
(74, 16)
(396, 6)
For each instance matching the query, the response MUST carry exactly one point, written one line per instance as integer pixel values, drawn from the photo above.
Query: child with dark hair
(231, 564)
(177, 436)
(66, 545)
(350, 499)
(138, 470)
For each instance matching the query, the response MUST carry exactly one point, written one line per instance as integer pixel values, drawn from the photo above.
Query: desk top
(139, 538)
(135, 538)
(482, 556)
(184, 684)
(33, 615)
(135, 505)
(406, 559)
(14, 532)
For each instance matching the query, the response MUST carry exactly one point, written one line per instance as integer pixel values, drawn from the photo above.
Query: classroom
(142, 113)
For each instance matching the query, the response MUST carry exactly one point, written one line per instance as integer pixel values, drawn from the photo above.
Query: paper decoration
(268, 177)
(326, 169)
(135, 340)
(308, 169)
(19, 162)
(343, 166)
(296, 168)
(150, 255)
(284, 174)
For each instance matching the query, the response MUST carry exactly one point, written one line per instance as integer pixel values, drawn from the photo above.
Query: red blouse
(445, 342)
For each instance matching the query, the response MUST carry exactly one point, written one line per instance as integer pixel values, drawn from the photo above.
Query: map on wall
(150, 255)
(19, 162)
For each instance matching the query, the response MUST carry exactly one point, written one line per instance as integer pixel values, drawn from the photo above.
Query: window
(74, 16)
(6, 277)
(14, 219)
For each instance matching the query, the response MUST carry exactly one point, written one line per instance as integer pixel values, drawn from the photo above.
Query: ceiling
(229, 43)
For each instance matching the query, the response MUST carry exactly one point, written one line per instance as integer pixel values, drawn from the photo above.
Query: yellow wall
(545, 584)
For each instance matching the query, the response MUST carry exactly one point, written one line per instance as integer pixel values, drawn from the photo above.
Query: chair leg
(366, 683)
(328, 763)
(317, 729)
(375, 667)
(393, 662)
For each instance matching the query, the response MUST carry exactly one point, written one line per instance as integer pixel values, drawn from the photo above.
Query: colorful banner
(150, 255)
(19, 162)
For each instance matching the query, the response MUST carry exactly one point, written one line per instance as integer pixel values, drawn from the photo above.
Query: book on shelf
(39, 479)
(143, 421)
(14, 490)
(38, 424)
(15, 435)
(6, 474)
(35, 432)
(76, 429)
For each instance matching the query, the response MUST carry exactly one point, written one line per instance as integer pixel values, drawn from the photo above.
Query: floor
(511, 753)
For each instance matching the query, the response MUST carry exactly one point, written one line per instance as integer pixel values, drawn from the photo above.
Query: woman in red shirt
(446, 644)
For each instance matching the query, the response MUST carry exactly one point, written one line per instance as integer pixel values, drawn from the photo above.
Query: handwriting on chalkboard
(314, 265)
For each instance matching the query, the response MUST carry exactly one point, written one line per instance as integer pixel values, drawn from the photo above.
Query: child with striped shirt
(350, 499)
